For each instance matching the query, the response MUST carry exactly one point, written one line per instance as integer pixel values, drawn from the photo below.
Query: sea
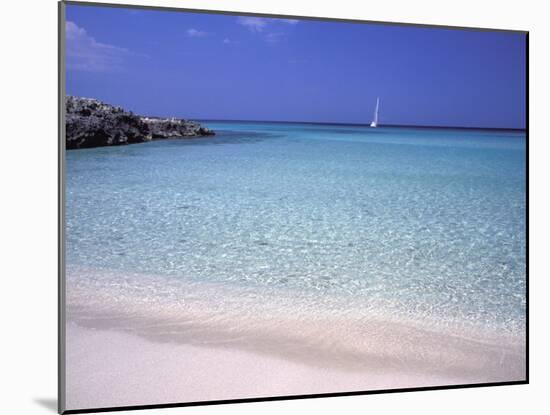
(419, 225)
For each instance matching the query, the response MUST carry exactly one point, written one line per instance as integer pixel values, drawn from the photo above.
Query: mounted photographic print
(257, 207)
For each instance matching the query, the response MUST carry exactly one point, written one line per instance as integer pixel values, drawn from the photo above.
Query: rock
(92, 123)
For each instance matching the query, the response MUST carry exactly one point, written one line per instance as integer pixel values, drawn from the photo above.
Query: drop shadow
(48, 403)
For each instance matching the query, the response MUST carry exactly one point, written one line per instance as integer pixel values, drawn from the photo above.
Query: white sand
(139, 340)
(110, 368)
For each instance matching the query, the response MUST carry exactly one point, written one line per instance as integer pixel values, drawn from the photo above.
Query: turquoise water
(429, 220)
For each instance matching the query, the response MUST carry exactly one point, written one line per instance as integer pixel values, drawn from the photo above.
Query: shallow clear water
(431, 221)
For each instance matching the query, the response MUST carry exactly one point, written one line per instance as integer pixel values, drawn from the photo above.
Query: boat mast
(374, 122)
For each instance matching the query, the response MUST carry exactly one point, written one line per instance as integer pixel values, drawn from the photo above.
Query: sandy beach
(108, 368)
(163, 342)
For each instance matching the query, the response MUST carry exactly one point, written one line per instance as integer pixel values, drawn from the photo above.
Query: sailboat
(374, 122)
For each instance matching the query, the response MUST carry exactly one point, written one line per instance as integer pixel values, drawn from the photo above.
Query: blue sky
(208, 66)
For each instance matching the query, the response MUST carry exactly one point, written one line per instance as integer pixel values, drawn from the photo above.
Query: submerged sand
(133, 340)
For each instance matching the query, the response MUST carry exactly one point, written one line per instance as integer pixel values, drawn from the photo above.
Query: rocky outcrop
(92, 123)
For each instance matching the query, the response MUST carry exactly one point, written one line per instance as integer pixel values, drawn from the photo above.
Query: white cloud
(259, 25)
(274, 37)
(254, 24)
(86, 54)
(196, 33)
(226, 41)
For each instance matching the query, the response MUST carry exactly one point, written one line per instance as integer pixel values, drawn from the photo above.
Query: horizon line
(366, 124)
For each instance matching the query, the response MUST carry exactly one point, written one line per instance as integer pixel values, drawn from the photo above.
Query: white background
(28, 224)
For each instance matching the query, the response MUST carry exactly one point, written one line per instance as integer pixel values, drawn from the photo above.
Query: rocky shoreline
(92, 123)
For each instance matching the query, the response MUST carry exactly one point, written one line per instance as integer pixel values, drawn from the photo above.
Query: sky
(214, 66)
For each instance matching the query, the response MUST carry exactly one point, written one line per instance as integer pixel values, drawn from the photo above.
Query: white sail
(374, 122)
